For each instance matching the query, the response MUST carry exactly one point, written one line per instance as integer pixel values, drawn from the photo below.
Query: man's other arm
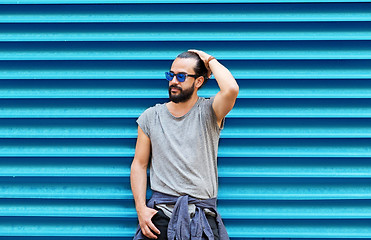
(138, 180)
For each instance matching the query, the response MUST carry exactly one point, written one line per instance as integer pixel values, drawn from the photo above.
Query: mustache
(176, 87)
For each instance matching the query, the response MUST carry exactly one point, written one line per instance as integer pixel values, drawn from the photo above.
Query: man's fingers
(193, 50)
(148, 226)
(153, 227)
(148, 233)
(145, 220)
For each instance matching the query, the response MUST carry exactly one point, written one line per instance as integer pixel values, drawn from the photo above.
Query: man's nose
(175, 80)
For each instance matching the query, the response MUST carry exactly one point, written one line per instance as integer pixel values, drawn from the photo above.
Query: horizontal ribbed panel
(334, 167)
(168, 1)
(116, 228)
(110, 92)
(256, 50)
(293, 157)
(304, 228)
(243, 209)
(116, 108)
(149, 89)
(187, 13)
(190, 31)
(135, 70)
(228, 147)
(240, 128)
(248, 189)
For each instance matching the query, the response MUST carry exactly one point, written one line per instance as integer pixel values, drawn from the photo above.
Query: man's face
(182, 91)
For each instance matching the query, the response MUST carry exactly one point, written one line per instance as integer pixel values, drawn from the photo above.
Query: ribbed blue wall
(294, 158)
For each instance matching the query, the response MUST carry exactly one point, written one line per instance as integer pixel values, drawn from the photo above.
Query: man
(180, 139)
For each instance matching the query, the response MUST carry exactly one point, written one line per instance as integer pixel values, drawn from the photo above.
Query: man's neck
(180, 109)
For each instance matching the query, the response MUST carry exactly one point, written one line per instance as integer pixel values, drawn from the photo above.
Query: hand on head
(204, 57)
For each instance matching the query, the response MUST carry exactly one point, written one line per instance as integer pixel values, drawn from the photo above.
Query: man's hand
(204, 56)
(146, 225)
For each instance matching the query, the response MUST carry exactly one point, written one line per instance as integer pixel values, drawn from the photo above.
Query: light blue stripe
(228, 148)
(248, 69)
(253, 168)
(190, 31)
(245, 108)
(149, 89)
(166, 1)
(264, 50)
(187, 13)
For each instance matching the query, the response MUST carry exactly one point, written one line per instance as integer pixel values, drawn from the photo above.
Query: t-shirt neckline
(185, 115)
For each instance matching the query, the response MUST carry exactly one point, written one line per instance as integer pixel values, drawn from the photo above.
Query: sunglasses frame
(172, 75)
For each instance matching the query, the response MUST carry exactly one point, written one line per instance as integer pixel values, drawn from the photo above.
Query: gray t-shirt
(184, 149)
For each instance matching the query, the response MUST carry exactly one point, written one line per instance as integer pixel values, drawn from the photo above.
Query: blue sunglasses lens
(169, 76)
(180, 76)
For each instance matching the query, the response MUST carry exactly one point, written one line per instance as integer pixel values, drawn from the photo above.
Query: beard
(183, 95)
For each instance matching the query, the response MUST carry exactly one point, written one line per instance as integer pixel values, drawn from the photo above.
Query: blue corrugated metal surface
(75, 74)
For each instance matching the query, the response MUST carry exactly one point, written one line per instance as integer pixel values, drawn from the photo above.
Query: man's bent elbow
(235, 89)
(232, 91)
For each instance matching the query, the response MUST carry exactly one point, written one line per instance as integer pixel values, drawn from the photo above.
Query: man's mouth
(175, 89)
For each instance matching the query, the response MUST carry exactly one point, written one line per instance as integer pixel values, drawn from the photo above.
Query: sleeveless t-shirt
(183, 149)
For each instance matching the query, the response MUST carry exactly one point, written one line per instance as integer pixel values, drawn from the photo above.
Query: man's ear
(199, 81)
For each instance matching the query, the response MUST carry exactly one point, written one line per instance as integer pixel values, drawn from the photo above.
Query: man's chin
(174, 99)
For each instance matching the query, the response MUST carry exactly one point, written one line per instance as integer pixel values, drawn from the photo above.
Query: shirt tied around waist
(180, 225)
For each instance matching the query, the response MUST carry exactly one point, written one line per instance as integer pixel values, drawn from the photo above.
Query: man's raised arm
(226, 97)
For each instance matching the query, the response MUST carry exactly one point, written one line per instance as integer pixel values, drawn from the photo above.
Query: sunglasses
(181, 77)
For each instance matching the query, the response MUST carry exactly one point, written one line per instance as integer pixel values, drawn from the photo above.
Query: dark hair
(200, 68)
